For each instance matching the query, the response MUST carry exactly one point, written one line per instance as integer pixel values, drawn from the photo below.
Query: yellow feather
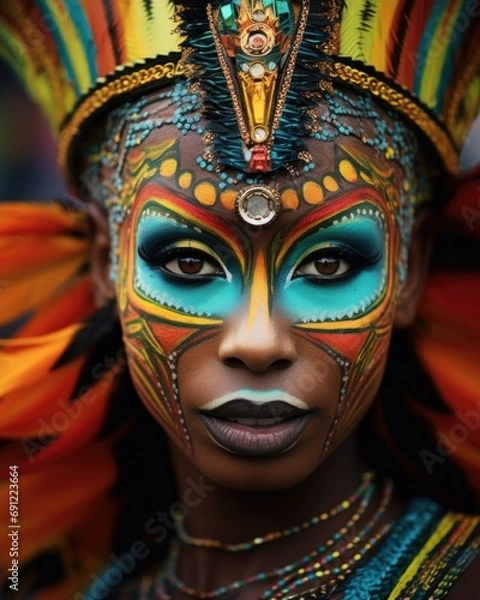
(148, 36)
(381, 33)
(351, 13)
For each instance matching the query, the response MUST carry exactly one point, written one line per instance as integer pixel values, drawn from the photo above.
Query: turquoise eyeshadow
(215, 297)
(303, 299)
(311, 301)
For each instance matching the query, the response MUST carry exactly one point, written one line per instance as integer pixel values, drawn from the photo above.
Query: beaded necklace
(313, 566)
(422, 556)
(319, 570)
(186, 538)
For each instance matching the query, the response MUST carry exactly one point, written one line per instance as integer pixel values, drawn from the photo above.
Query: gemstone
(257, 70)
(259, 134)
(257, 41)
(258, 16)
(244, 67)
(259, 161)
(258, 204)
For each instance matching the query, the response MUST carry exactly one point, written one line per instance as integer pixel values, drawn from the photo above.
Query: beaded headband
(261, 64)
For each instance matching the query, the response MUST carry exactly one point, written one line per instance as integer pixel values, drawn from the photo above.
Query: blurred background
(28, 169)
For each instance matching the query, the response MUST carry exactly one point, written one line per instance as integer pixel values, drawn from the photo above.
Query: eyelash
(356, 258)
(157, 256)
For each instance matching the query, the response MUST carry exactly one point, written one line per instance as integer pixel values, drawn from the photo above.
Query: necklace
(190, 540)
(318, 567)
(314, 566)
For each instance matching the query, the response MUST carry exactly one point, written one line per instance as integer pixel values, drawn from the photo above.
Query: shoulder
(430, 552)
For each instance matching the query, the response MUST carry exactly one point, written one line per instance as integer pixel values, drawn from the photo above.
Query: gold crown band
(102, 95)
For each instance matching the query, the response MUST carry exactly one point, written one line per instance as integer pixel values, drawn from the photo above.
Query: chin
(259, 474)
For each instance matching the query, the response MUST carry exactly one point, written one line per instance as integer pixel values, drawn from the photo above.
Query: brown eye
(193, 265)
(327, 265)
(190, 265)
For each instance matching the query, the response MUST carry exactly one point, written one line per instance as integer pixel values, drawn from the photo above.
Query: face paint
(188, 268)
(337, 268)
(210, 307)
(180, 266)
(338, 114)
(341, 290)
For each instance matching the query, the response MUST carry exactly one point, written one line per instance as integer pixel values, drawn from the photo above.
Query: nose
(252, 338)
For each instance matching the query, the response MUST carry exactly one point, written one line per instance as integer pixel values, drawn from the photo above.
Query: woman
(259, 228)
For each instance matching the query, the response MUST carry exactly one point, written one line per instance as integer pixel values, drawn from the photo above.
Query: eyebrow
(199, 217)
(348, 201)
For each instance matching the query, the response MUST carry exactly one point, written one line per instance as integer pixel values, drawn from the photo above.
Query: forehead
(344, 170)
(350, 144)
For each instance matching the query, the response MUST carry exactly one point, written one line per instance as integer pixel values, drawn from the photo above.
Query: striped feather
(106, 54)
(44, 307)
(414, 34)
(395, 42)
(454, 36)
(370, 17)
(381, 27)
(350, 23)
(430, 43)
(79, 43)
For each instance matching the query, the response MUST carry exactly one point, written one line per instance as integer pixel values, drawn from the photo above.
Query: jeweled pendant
(254, 39)
(258, 205)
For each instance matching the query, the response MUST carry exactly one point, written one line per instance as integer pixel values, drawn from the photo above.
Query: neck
(234, 516)
(238, 515)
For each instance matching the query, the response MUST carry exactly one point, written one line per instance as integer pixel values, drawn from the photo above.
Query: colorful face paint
(211, 305)
(177, 111)
(180, 266)
(336, 269)
(191, 275)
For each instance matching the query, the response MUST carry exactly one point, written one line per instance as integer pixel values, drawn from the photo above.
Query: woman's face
(258, 349)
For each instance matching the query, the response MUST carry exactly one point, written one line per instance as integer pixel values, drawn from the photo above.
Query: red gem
(260, 161)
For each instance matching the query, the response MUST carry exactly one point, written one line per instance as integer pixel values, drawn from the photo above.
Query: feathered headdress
(420, 57)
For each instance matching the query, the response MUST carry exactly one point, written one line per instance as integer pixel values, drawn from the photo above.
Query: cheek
(360, 346)
(151, 341)
(361, 354)
(153, 373)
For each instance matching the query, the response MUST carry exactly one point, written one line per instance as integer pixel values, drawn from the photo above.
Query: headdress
(261, 62)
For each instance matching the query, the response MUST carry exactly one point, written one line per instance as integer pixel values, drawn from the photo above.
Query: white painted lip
(257, 397)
